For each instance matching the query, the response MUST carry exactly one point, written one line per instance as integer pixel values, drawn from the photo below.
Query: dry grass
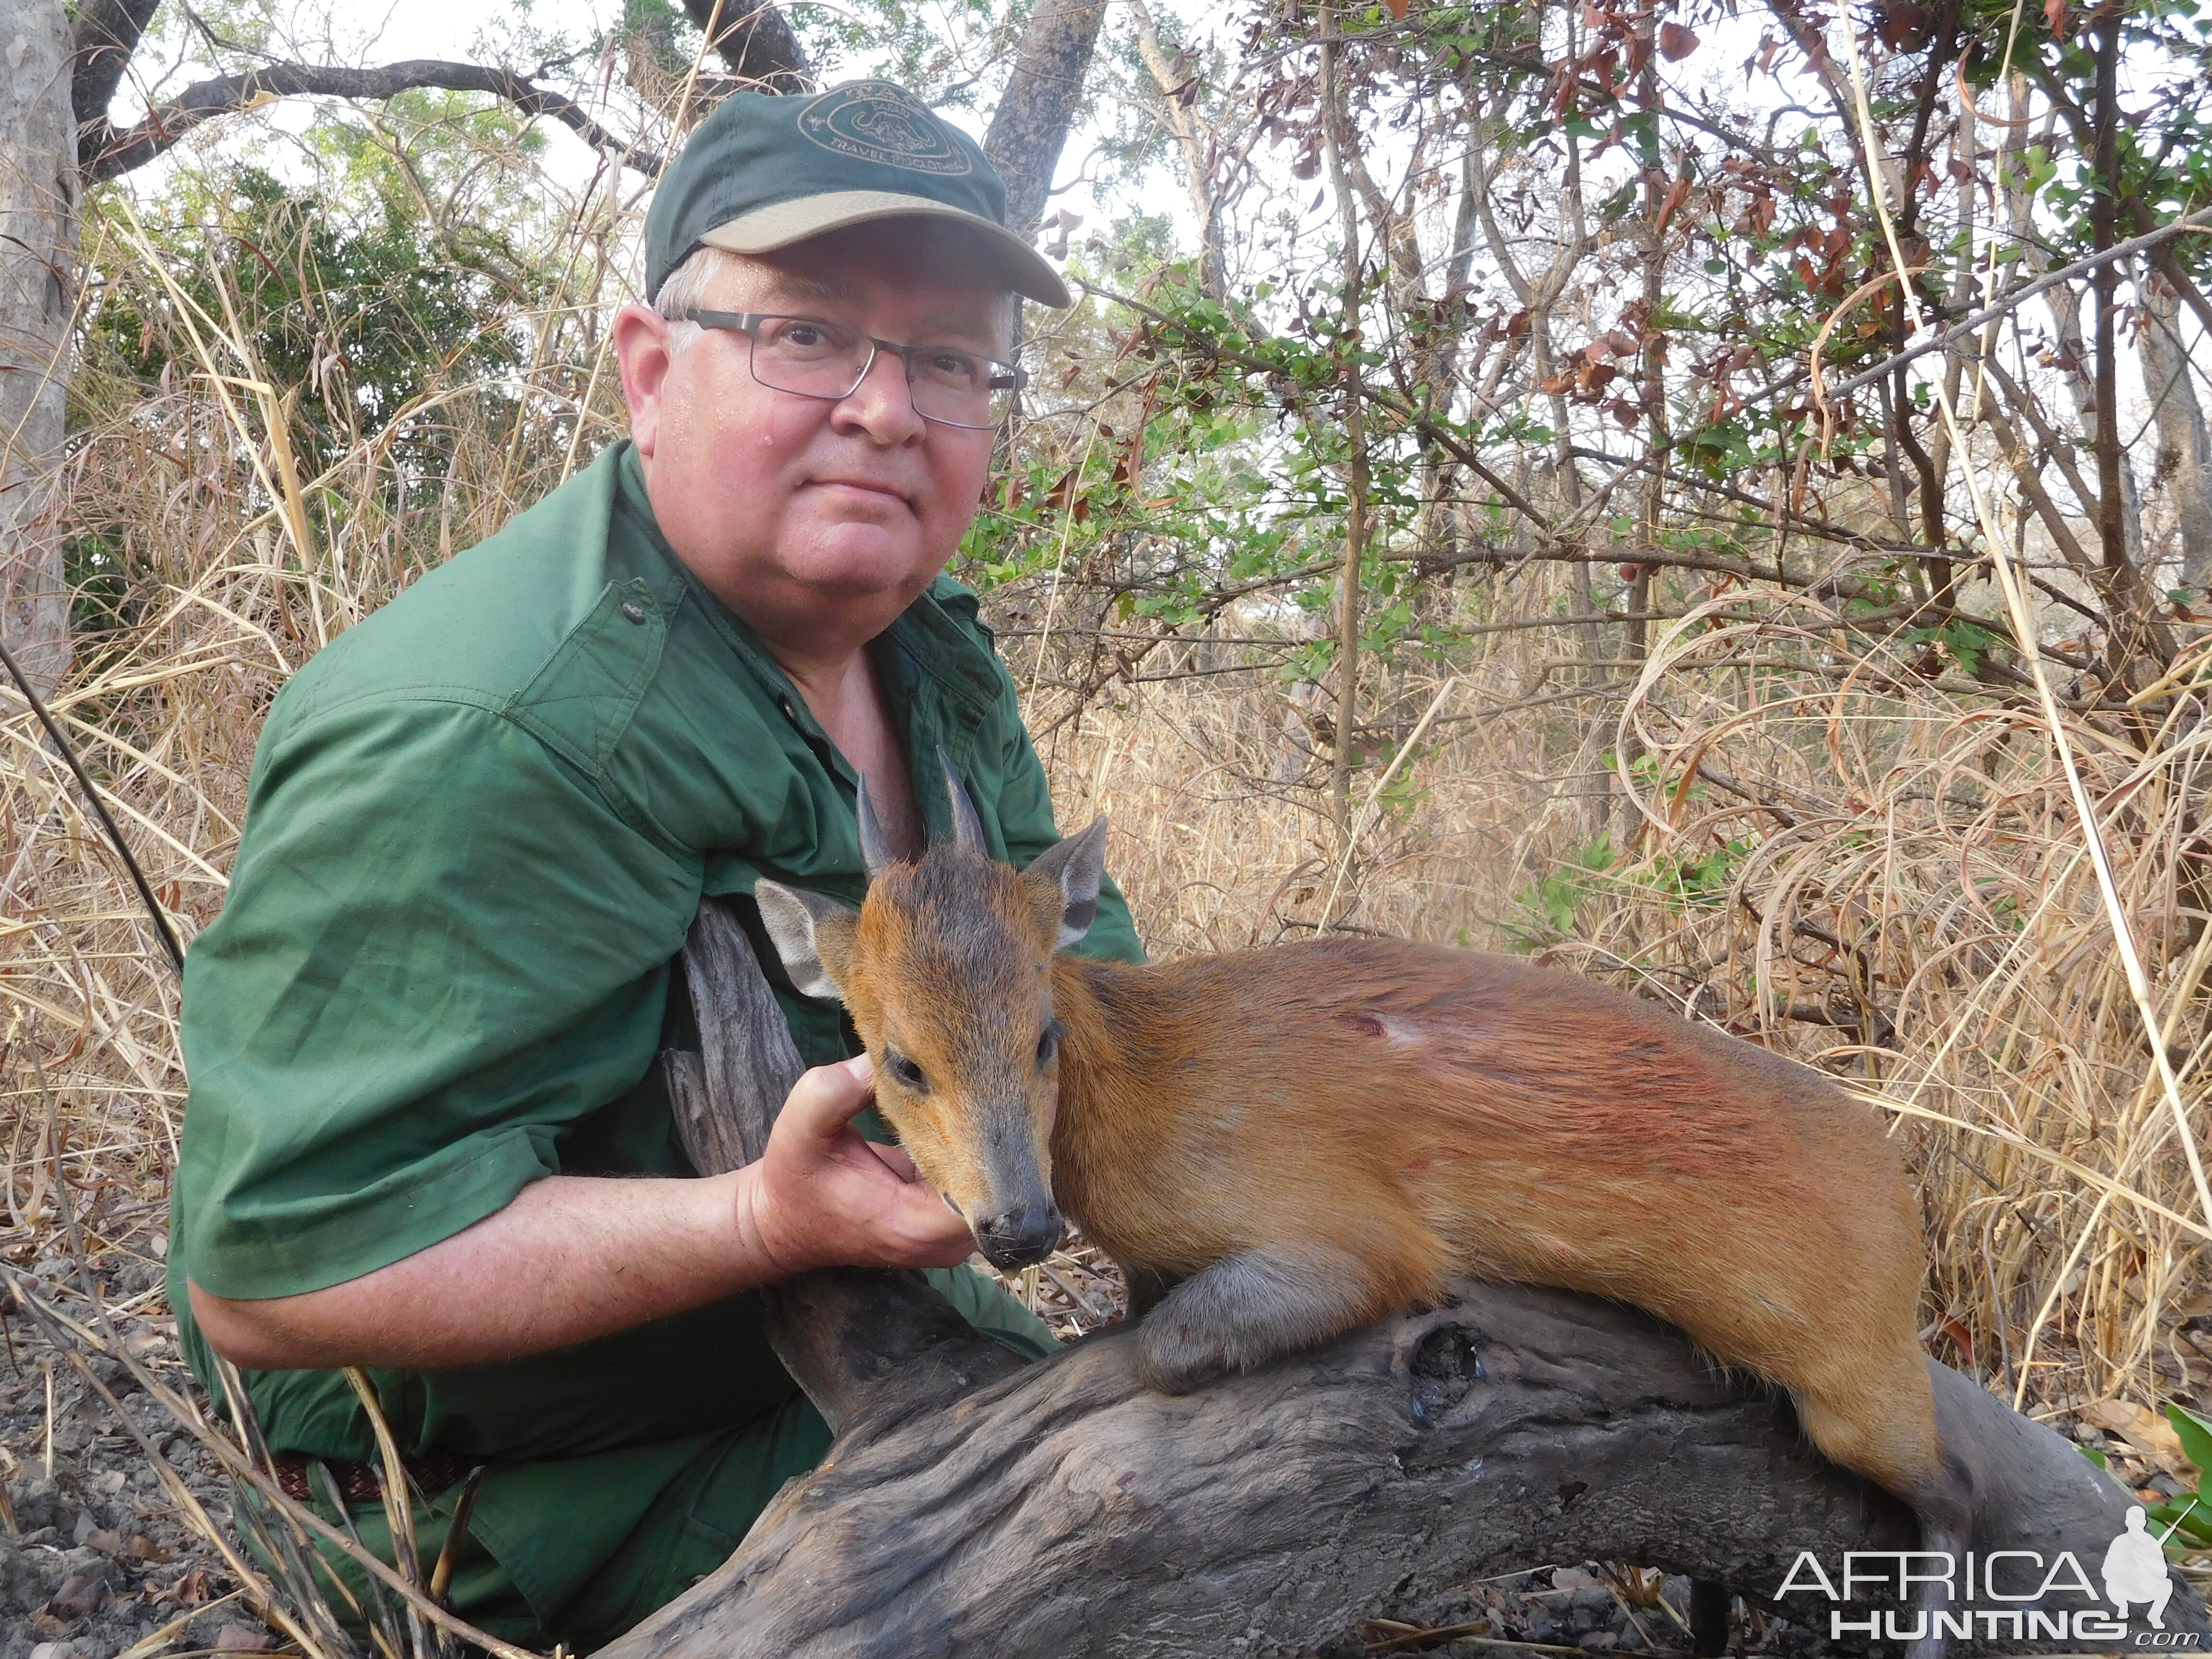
(1868, 876)
(1828, 852)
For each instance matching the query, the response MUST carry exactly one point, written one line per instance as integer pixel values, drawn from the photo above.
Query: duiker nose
(1018, 1238)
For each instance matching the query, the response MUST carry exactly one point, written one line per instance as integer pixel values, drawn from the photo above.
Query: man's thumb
(826, 1098)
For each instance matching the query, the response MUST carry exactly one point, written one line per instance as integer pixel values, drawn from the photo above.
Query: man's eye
(802, 336)
(955, 368)
(904, 1071)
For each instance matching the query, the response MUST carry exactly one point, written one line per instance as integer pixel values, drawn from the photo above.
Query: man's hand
(571, 1257)
(820, 1196)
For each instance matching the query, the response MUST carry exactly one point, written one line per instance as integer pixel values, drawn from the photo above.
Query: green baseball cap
(764, 171)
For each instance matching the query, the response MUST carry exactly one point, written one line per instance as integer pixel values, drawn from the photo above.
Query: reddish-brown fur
(1439, 1113)
(1375, 1118)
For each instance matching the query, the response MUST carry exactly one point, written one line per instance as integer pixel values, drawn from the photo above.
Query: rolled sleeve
(406, 1000)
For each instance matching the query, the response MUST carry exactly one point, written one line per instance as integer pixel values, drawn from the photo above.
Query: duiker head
(947, 970)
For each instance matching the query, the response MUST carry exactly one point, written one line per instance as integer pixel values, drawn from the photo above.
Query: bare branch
(107, 153)
(2198, 221)
(107, 34)
(754, 39)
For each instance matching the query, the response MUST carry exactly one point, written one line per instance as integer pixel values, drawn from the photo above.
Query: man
(428, 1134)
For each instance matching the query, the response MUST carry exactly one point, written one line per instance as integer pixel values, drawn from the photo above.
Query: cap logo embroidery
(876, 121)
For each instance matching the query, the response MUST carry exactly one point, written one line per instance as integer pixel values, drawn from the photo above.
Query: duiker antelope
(1300, 1139)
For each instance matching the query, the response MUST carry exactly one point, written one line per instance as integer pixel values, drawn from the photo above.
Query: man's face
(804, 514)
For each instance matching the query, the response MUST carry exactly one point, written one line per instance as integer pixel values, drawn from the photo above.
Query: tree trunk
(1180, 112)
(2185, 449)
(38, 257)
(974, 1504)
(1030, 127)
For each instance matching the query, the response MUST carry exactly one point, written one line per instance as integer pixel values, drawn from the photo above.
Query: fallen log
(974, 1504)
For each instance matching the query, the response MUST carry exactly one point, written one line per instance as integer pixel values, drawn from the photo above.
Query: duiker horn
(967, 831)
(876, 855)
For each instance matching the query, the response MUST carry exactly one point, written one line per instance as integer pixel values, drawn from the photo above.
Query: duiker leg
(1248, 1308)
(1147, 1290)
(1888, 1433)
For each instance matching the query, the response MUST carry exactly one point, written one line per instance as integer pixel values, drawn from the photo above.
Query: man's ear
(812, 934)
(1064, 879)
(642, 350)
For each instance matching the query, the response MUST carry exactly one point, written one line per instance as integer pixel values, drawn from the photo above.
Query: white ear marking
(1079, 865)
(791, 915)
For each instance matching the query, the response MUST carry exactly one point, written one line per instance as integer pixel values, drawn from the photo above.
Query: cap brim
(764, 230)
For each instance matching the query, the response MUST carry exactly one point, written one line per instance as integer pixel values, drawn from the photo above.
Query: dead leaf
(2150, 1435)
(79, 1597)
(2054, 13)
(1676, 41)
(1591, 378)
(1063, 492)
(1398, 8)
(1902, 25)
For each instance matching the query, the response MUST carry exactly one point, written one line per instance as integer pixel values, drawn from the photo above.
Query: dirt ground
(96, 1558)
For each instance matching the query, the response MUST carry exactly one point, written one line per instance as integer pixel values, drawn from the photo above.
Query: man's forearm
(571, 1258)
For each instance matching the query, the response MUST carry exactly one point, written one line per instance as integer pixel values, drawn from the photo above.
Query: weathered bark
(2185, 447)
(1030, 127)
(754, 39)
(38, 257)
(830, 1327)
(975, 1505)
(1065, 1509)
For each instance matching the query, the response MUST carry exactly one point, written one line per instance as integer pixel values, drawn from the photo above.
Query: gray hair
(684, 287)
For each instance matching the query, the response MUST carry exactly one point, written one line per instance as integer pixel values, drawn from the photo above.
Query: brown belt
(362, 1483)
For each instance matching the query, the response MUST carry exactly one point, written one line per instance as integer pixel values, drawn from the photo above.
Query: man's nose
(883, 403)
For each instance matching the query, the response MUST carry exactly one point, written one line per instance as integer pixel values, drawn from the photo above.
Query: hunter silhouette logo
(875, 121)
(2012, 1595)
(2135, 1570)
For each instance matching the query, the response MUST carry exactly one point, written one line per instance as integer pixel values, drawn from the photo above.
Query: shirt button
(634, 611)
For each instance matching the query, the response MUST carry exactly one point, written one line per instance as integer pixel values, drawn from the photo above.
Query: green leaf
(2195, 1439)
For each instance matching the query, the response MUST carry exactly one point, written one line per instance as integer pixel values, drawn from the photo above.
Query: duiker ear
(812, 934)
(1075, 866)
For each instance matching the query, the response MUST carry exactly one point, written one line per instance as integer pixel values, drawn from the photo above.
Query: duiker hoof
(1172, 1359)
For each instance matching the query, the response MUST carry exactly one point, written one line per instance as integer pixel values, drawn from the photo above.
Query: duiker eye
(1048, 1044)
(904, 1071)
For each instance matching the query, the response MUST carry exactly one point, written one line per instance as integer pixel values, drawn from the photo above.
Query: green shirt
(479, 826)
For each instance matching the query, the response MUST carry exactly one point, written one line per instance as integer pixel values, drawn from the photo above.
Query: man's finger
(895, 1159)
(824, 1100)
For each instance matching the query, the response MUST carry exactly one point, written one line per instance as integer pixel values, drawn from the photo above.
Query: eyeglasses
(814, 358)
